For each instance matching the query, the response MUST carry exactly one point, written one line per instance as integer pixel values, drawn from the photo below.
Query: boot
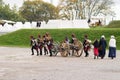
(50, 52)
(32, 52)
(37, 53)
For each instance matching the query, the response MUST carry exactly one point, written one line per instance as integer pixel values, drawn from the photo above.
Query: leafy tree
(1, 2)
(81, 9)
(8, 14)
(38, 10)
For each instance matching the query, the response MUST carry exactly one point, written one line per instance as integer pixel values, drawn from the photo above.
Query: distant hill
(114, 24)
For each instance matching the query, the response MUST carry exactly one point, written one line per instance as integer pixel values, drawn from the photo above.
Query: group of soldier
(42, 42)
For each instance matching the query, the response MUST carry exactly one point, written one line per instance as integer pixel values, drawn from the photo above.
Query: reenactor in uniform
(34, 45)
(40, 43)
(45, 45)
(86, 45)
(72, 42)
(49, 42)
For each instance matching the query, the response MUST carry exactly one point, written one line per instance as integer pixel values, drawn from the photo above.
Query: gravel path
(18, 64)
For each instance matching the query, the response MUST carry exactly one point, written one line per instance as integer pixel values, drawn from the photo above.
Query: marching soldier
(40, 43)
(86, 45)
(73, 38)
(72, 42)
(49, 42)
(33, 43)
(45, 45)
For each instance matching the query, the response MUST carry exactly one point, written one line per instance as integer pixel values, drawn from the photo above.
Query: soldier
(86, 45)
(45, 45)
(40, 43)
(34, 45)
(72, 42)
(49, 42)
(73, 38)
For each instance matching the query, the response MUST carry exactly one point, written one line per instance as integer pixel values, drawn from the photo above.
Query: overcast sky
(115, 7)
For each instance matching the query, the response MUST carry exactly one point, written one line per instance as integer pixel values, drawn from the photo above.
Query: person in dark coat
(102, 47)
(112, 47)
(38, 24)
(96, 45)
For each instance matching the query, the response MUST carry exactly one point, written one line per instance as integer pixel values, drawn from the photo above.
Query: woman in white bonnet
(103, 36)
(112, 47)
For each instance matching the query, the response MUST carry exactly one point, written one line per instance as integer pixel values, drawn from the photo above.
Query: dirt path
(18, 64)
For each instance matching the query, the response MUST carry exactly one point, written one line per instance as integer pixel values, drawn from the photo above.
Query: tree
(8, 14)
(96, 7)
(1, 2)
(81, 9)
(38, 10)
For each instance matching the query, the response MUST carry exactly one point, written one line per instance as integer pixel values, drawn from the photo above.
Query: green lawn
(114, 24)
(21, 38)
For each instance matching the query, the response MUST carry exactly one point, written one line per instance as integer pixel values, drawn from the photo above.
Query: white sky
(115, 7)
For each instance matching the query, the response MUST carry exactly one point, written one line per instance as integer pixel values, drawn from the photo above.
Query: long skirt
(96, 51)
(102, 53)
(112, 52)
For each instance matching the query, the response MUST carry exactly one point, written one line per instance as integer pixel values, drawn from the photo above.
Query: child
(96, 45)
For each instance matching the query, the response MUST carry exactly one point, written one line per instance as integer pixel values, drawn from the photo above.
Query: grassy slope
(114, 24)
(21, 37)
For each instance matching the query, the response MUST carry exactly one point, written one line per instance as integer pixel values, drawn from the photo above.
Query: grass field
(114, 24)
(21, 38)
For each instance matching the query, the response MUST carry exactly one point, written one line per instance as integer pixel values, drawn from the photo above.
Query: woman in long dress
(112, 47)
(102, 47)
